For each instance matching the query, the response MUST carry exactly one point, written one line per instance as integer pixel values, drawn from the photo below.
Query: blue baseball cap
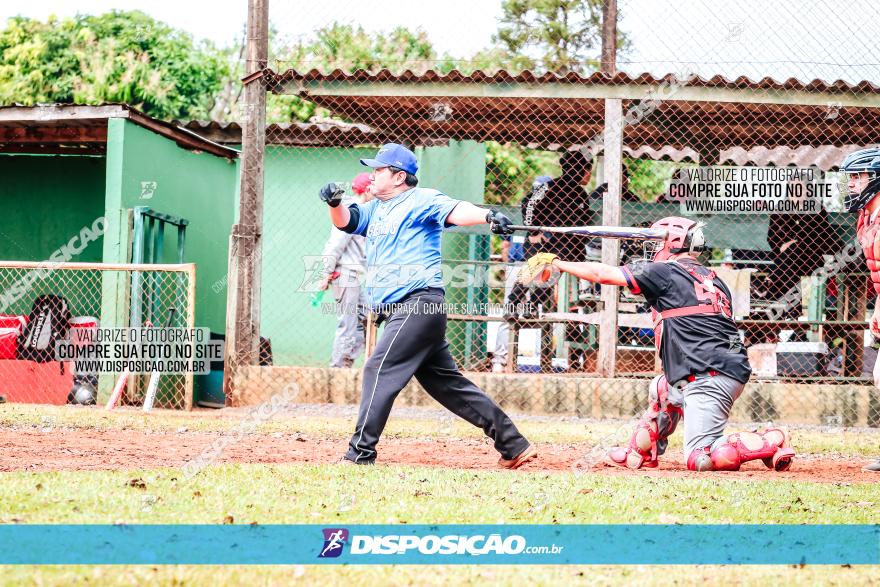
(394, 155)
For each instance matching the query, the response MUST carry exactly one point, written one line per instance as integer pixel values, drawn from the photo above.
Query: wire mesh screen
(96, 296)
(520, 126)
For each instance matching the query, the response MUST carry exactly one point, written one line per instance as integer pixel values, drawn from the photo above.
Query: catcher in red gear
(704, 363)
(862, 173)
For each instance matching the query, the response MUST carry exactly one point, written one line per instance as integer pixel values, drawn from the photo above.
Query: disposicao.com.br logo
(454, 544)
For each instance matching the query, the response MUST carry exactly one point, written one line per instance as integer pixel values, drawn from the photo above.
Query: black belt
(694, 376)
(382, 316)
(422, 291)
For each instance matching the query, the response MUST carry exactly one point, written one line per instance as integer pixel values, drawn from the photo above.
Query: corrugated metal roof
(324, 133)
(825, 157)
(705, 123)
(662, 154)
(621, 78)
(82, 129)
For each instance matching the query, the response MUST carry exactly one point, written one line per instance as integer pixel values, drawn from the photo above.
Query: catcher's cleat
(529, 454)
(781, 459)
(872, 467)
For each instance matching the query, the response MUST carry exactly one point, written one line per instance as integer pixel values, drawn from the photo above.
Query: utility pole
(245, 242)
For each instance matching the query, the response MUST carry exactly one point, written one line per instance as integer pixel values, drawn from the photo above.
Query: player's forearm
(590, 271)
(467, 214)
(339, 216)
(585, 270)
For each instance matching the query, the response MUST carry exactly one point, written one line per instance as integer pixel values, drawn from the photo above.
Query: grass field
(244, 493)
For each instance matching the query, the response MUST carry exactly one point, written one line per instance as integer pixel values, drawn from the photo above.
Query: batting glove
(331, 194)
(499, 223)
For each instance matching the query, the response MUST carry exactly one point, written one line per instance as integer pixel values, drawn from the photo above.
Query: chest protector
(712, 300)
(867, 232)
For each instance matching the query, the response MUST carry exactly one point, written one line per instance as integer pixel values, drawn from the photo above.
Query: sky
(807, 39)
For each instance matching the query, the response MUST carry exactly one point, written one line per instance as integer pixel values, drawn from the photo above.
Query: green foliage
(648, 178)
(120, 56)
(511, 169)
(488, 60)
(563, 35)
(349, 48)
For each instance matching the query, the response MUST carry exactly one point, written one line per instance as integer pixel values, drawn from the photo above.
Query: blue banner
(440, 544)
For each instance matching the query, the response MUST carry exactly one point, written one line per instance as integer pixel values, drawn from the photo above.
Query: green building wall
(296, 226)
(46, 201)
(199, 187)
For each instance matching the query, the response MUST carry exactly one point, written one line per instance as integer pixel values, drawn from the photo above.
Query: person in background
(564, 202)
(344, 256)
(625, 194)
(516, 296)
(798, 243)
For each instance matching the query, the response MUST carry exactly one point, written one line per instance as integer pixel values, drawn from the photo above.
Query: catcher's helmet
(82, 394)
(863, 161)
(682, 236)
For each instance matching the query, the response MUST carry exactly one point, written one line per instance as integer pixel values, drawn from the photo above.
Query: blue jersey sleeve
(437, 208)
(366, 211)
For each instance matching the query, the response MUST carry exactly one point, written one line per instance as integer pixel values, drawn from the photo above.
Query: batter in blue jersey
(404, 285)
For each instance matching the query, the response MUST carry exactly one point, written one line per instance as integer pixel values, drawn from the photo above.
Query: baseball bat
(117, 390)
(120, 384)
(153, 386)
(616, 232)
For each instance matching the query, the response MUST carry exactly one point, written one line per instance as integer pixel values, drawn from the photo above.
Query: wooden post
(609, 37)
(243, 297)
(190, 323)
(852, 305)
(370, 334)
(512, 348)
(607, 357)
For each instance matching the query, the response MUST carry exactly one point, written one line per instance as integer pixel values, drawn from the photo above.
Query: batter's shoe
(347, 461)
(529, 454)
(872, 467)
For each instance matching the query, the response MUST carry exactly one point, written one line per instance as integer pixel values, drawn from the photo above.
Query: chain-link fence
(93, 295)
(535, 130)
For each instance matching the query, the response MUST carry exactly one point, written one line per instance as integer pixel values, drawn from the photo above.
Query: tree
(511, 169)
(120, 56)
(649, 179)
(560, 35)
(341, 46)
(349, 48)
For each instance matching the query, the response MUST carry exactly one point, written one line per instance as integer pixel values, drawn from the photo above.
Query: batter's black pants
(413, 343)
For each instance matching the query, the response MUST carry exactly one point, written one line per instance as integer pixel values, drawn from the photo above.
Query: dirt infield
(34, 449)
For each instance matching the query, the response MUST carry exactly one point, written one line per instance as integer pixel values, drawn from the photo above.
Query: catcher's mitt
(538, 270)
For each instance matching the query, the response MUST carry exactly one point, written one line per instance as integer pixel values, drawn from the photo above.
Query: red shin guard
(729, 452)
(648, 441)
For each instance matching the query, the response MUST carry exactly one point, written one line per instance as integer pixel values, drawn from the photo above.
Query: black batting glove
(499, 223)
(332, 194)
